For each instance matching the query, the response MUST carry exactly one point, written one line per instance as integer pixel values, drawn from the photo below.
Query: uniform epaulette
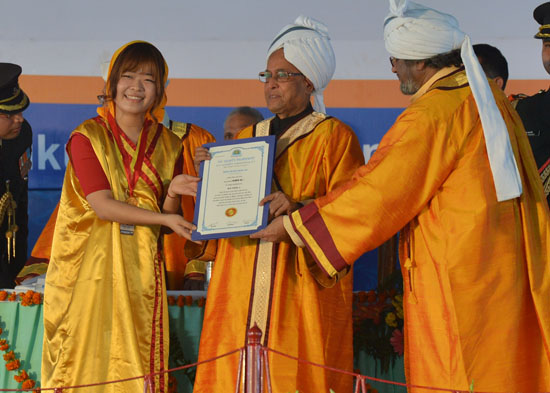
(514, 98)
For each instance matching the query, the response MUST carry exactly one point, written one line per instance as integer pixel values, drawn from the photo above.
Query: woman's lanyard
(129, 162)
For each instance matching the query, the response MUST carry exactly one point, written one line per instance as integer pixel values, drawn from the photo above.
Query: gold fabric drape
(105, 313)
(175, 261)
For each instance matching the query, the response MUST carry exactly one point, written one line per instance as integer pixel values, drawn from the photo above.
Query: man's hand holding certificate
(233, 182)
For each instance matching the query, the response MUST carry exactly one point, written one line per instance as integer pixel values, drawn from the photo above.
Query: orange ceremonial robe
(271, 285)
(476, 271)
(177, 266)
(105, 310)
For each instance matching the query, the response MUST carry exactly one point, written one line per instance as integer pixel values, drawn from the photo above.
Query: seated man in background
(240, 118)
(493, 63)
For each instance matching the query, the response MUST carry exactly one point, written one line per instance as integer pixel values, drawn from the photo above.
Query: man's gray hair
(248, 112)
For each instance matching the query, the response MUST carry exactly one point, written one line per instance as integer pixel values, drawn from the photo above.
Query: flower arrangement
(26, 299)
(13, 364)
(172, 384)
(378, 322)
(370, 389)
(181, 301)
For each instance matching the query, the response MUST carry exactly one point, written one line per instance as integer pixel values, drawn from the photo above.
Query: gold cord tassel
(14, 229)
(8, 205)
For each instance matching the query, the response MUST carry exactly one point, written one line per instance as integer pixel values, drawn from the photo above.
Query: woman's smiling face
(136, 91)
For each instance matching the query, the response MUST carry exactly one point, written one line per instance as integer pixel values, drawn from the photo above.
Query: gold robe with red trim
(476, 271)
(275, 287)
(177, 266)
(176, 263)
(105, 311)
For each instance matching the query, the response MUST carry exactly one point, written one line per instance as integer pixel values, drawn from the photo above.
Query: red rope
(241, 365)
(268, 374)
(363, 377)
(145, 377)
(356, 386)
(147, 384)
(359, 382)
(363, 386)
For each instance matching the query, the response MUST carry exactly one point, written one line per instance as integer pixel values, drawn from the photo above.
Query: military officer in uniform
(15, 163)
(535, 110)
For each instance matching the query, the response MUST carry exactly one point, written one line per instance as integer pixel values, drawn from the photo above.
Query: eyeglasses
(392, 61)
(280, 76)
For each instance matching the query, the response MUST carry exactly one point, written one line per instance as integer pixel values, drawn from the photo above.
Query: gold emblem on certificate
(231, 212)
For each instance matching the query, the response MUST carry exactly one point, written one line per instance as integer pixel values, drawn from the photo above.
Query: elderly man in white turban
(278, 286)
(455, 174)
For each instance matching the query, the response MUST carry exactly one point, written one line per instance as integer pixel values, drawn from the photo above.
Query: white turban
(306, 45)
(415, 32)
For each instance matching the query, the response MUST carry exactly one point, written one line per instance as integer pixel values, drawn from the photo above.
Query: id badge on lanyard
(126, 229)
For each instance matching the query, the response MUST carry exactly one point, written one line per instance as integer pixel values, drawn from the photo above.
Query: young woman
(105, 313)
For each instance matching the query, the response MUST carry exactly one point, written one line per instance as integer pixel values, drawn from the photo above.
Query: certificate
(233, 182)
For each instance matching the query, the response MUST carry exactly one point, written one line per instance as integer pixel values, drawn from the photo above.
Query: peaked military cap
(542, 16)
(12, 98)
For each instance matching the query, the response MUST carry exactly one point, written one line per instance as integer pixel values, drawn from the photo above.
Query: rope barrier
(239, 370)
(147, 384)
(360, 379)
(145, 377)
(268, 374)
(363, 377)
